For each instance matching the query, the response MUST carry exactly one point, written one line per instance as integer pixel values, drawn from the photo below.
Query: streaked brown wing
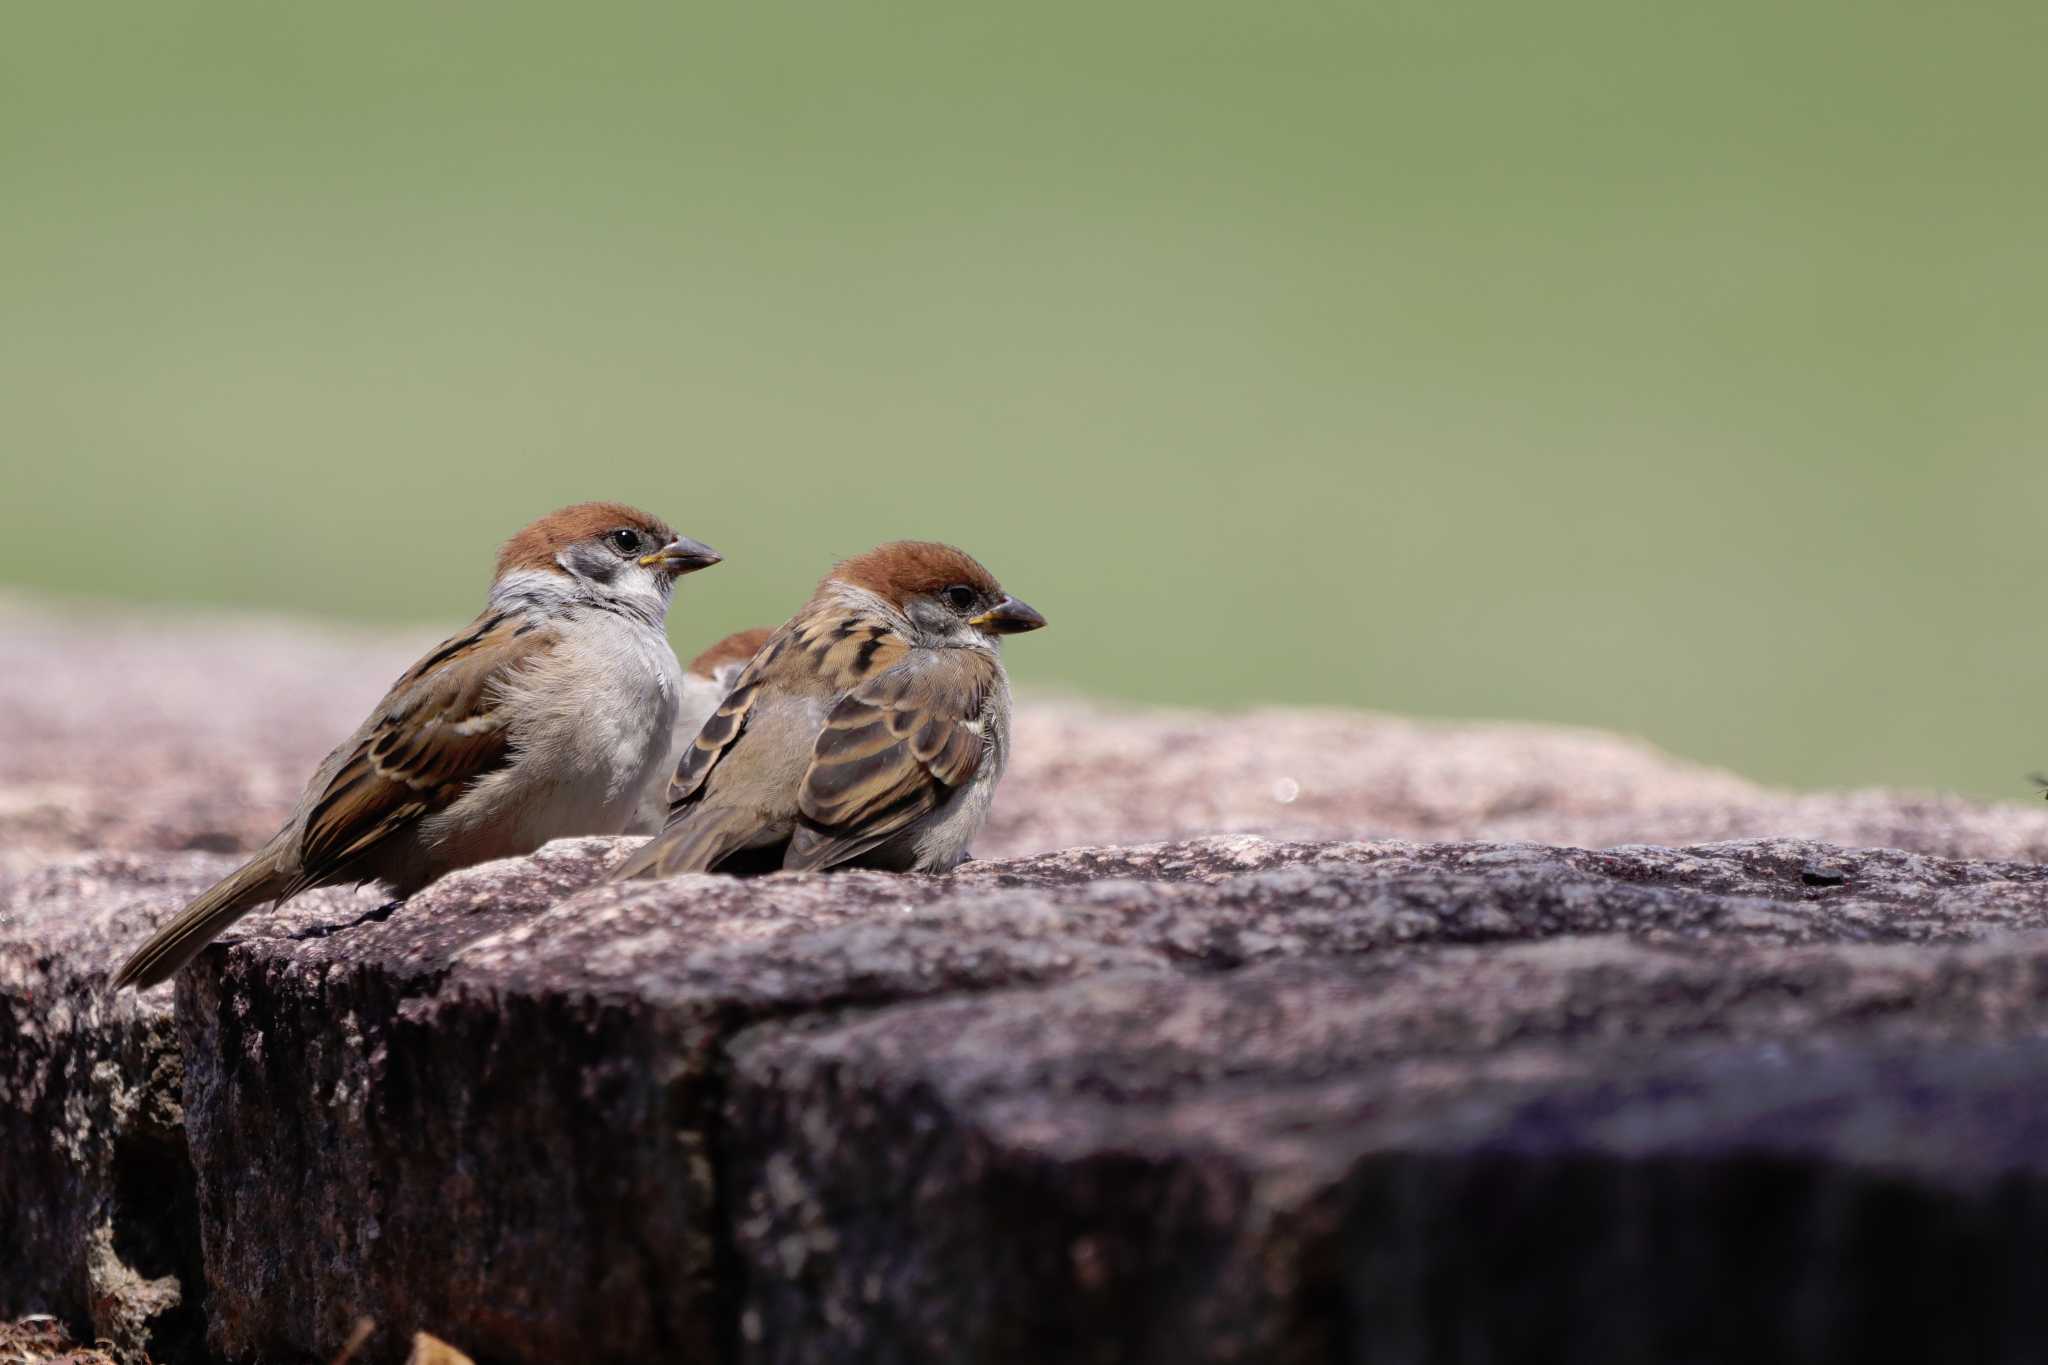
(717, 734)
(819, 654)
(438, 730)
(890, 751)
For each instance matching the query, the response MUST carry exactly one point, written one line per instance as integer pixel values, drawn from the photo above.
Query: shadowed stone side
(497, 1115)
(523, 1172)
(96, 1208)
(1864, 1201)
(1317, 1161)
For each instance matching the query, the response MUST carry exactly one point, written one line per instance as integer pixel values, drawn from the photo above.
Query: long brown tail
(693, 844)
(199, 923)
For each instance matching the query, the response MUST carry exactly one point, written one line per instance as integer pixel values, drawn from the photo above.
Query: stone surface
(126, 734)
(1305, 1162)
(96, 1210)
(517, 1084)
(1701, 1111)
(1356, 1063)
(785, 1118)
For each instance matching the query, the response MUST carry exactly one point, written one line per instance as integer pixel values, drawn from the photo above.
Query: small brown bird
(705, 682)
(870, 730)
(549, 715)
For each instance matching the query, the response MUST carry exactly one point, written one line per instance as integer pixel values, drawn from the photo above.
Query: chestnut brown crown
(536, 546)
(904, 569)
(736, 648)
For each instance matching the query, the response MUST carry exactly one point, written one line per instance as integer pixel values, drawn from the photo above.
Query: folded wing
(891, 751)
(440, 730)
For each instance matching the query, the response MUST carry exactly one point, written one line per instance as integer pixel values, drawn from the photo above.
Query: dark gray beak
(683, 555)
(1009, 617)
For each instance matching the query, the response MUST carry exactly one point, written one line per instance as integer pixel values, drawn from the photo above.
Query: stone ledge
(759, 1120)
(541, 1120)
(1289, 1089)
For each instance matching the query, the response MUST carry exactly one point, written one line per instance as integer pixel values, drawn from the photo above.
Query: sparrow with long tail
(549, 715)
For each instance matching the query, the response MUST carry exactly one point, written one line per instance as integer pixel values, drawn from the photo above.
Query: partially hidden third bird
(706, 681)
(870, 730)
(549, 715)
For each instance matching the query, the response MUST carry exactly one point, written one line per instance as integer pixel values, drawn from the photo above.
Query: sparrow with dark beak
(870, 730)
(549, 715)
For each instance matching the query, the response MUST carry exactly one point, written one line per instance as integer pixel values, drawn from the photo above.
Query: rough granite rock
(787, 1118)
(96, 1189)
(1287, 1085)
(1303, 1170)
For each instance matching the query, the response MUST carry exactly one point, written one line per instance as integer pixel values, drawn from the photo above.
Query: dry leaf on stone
(430, 1350)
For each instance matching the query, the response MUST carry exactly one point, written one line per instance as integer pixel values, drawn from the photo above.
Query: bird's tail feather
(199, 923)
(696, 843)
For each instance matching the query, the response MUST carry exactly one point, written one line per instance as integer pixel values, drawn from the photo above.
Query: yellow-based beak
(682, 555)
(1008, 617)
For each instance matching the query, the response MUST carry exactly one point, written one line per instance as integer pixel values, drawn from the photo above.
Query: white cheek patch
(533, 586)
(652, 584)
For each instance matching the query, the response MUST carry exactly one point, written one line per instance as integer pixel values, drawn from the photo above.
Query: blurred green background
(1669, 367)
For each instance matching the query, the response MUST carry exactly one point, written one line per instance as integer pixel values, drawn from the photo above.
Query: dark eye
(624, 541)
(962, 597)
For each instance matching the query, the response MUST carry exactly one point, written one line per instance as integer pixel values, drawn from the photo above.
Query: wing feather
(440, 729)
(830, 652)
(891, 750)
(711, 743)
(900, 737)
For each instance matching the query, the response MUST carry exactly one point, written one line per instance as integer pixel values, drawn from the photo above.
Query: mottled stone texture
(1156, 1103)
(524, 1098)
(1685, 1106)
(96, 1218)
(1337, 1069)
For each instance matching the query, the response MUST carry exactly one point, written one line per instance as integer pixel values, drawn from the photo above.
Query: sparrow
(548, 715)
(706, 680)
(870, 730)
